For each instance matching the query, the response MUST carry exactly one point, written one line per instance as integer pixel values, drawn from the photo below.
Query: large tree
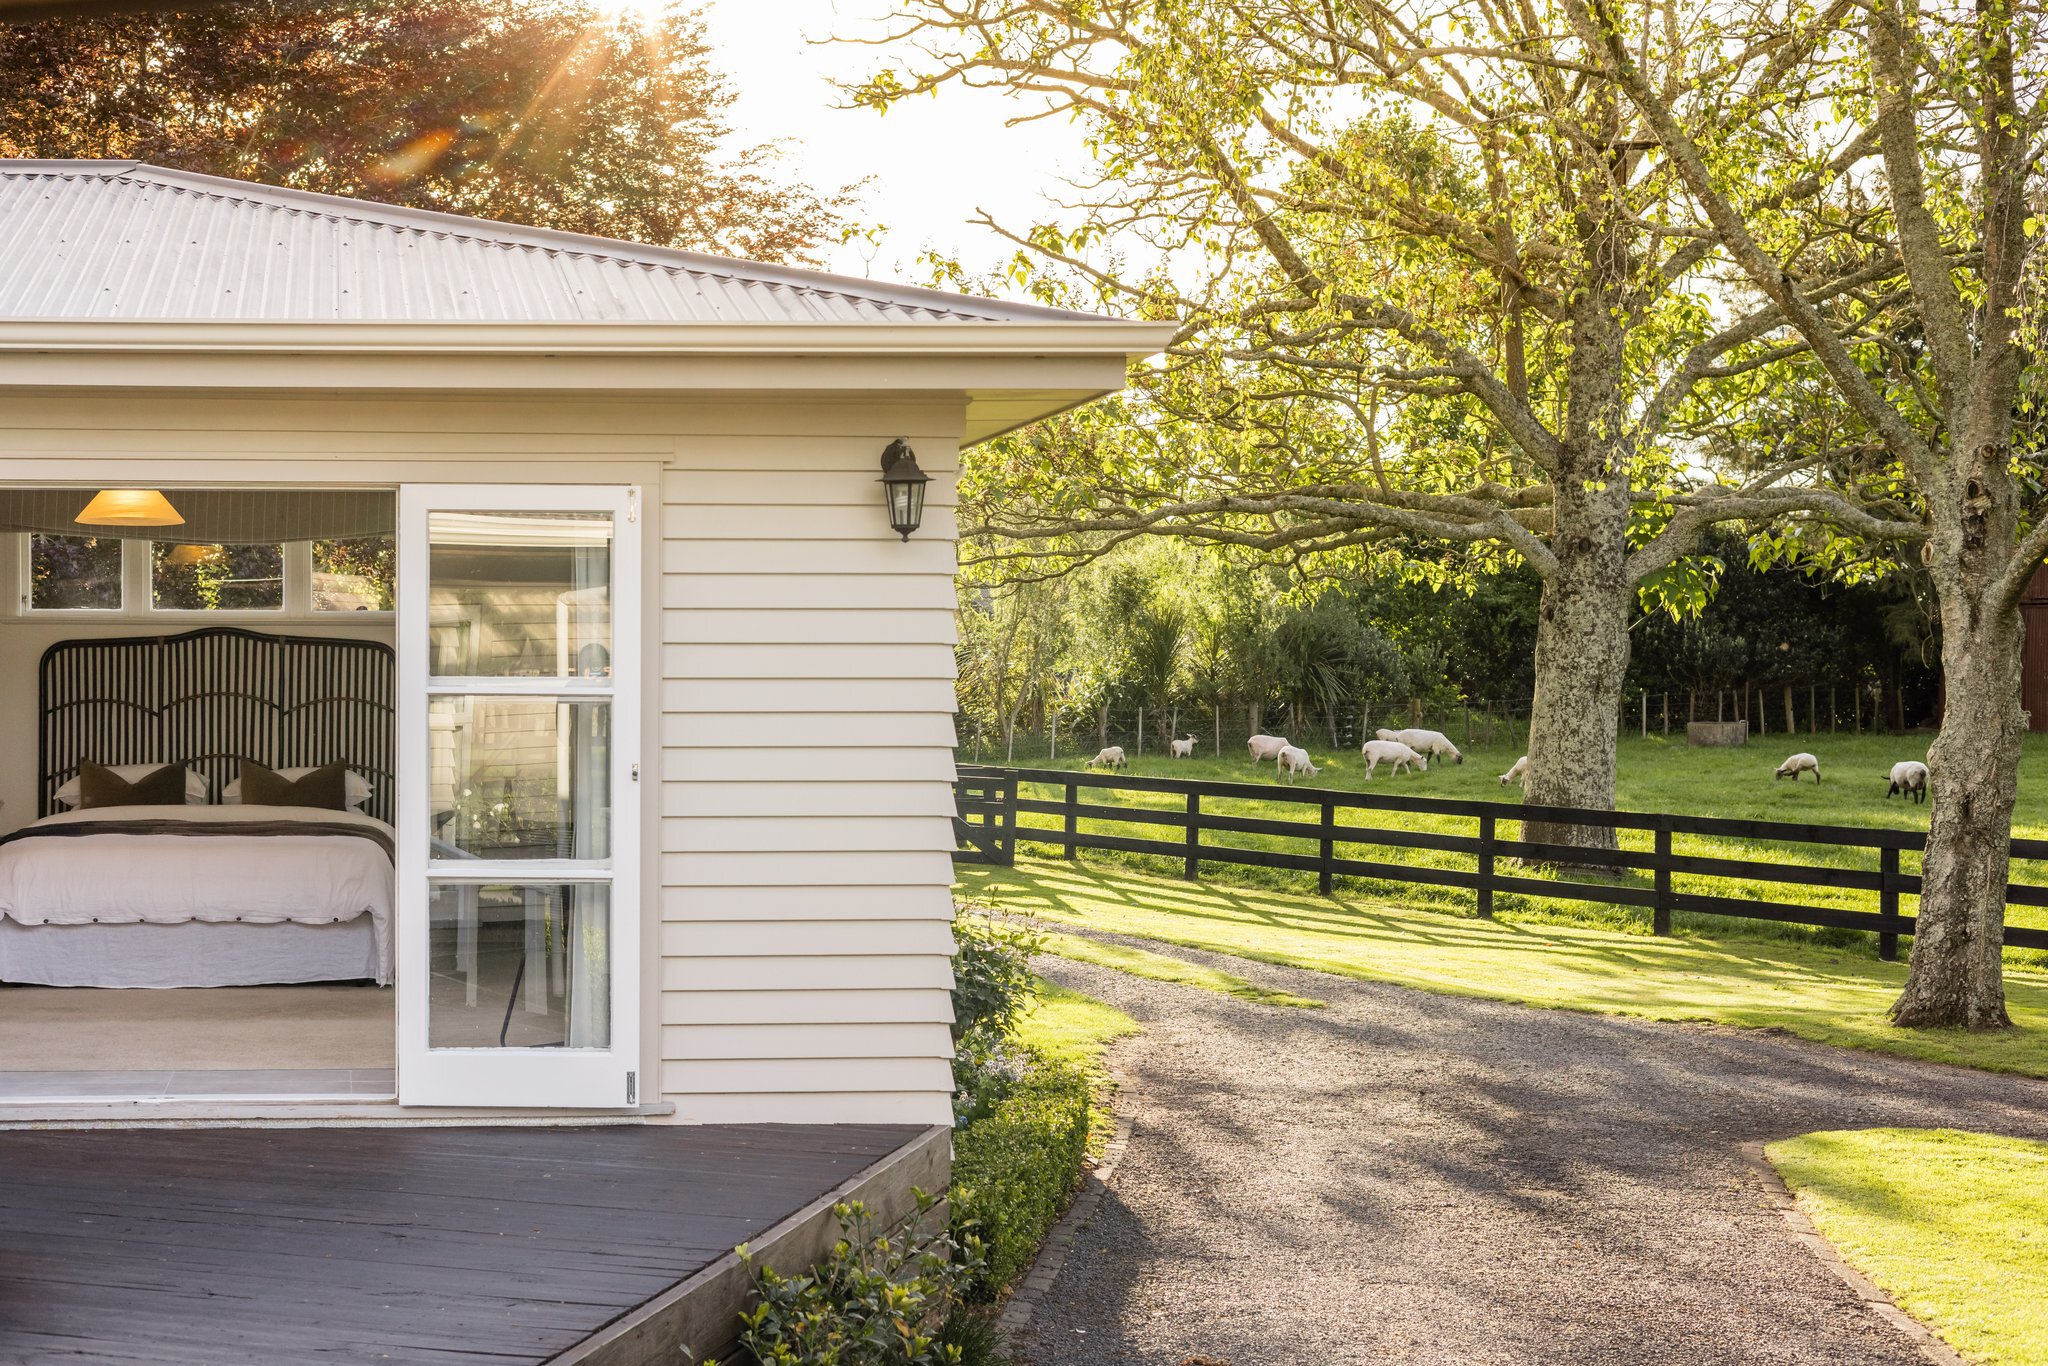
(1951, 100)
(1434, 281)
(522, 110)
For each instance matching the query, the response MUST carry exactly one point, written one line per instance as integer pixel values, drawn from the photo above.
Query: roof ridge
(497, 233)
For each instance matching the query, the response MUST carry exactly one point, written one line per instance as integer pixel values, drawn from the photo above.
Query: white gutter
(1132, 340)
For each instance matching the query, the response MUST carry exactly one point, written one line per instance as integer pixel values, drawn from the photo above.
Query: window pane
(356, 575)
(519, 966)
(217, 578)
(73, 572)
(519, 777)
(520, 594)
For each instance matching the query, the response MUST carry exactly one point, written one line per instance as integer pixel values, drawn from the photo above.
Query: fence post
(1072, 818)
(1486, 866)
(1324, 875)
(1660, 914)
(1888, 901)
(1646, 713)
(1193, 871)
(1007, 842)
(1141, 732)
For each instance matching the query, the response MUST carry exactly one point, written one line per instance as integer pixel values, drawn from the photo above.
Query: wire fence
(1223, 729)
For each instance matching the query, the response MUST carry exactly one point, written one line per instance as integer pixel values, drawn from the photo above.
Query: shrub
(992, 978)
(875, 1299)
(1015, 1168)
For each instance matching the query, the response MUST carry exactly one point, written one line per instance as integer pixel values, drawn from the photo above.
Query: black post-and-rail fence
(990, 824)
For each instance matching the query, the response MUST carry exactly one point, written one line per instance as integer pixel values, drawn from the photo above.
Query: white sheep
(1113, 757)
(1292, 761)
(1798, 764)
(1393, 752)
(1909, 779)
(1518, 774)
(1431, 743)
(1266, 746)
(1183, 749)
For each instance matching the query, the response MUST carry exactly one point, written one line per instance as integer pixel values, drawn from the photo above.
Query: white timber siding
(797, 932)
(806, 803)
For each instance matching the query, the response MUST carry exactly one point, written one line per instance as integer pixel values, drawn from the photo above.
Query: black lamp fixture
(903, 484)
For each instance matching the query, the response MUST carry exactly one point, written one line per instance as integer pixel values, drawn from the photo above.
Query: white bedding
(162, 879)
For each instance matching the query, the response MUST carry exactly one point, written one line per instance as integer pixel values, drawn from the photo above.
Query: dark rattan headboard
(213, 697)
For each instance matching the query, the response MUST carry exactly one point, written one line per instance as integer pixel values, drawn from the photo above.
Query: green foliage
(876, 1299)
(528, 111)
(1015, 1168)
(992, 979)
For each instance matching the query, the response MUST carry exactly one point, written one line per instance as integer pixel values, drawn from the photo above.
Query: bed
(205, 895)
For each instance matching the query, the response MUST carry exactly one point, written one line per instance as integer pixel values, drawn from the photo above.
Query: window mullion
(137, 594)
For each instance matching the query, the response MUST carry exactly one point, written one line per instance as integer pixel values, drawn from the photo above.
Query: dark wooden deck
(273, 1246)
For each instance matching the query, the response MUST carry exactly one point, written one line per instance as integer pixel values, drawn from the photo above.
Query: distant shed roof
(86, 240)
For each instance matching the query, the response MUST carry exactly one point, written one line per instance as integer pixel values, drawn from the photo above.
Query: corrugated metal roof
(82, 240)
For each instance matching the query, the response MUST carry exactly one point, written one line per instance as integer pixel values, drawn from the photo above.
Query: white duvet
(174, 879)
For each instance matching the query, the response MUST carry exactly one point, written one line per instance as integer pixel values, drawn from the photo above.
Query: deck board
(242, 1246)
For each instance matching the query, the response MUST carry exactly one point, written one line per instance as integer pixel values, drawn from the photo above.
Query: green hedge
(1015, 1169)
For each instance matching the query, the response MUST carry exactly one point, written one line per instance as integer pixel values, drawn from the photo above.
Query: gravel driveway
(1413, 1178)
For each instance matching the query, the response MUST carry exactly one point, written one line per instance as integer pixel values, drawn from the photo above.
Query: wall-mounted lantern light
(903, 484)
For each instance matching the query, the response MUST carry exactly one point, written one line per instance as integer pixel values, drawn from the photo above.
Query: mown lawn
(1653, 776)
(1828, 994)
(1953, 1226)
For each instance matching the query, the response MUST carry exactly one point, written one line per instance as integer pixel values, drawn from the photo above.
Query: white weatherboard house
(449, 666)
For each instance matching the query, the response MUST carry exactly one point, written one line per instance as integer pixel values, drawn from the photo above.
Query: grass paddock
(1953, 1226)
(1817, 992)
(1653, 775)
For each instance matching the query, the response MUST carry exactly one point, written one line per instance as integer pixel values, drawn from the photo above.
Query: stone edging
(1875, 1300)
(1015, 1318)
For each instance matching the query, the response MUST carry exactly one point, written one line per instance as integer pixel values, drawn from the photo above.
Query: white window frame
(540, 1078)
(138, 591)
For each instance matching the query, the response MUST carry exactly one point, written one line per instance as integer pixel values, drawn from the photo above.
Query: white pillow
(195, 784)
(357, 787)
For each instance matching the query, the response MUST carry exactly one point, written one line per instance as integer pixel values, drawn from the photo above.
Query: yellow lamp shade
(130, 507)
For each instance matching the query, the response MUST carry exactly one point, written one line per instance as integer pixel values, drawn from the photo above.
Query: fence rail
(992, 812)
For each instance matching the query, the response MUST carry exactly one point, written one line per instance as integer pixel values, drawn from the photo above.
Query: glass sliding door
(519, 815)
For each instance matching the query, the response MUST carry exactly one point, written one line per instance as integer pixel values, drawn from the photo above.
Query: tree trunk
(1102, 726)
(1957, 978)
(1581, 655)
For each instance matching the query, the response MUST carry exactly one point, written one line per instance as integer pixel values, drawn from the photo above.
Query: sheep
(1266, 746)
(1798, 764)
(1518, 774)
(1433, 744)
(1292, 761)
(1909, 779)
(1113, 757)
(1183, 749)
(1393, 752)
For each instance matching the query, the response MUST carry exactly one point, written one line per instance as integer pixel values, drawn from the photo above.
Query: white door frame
(554, 1078)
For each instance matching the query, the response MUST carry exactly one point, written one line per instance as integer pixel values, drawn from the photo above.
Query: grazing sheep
(1266, 746)
(1183, 749)
(1909, 779)
(1433, 744)
(1519, 773)
(1393, 752)
(1113, 757)
(1292, 761)
(1798, 764)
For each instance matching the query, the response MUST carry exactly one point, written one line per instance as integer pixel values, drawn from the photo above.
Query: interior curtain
(217, 516)
(584, 618)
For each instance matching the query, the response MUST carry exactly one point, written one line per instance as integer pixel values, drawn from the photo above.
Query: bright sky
(932, 163)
